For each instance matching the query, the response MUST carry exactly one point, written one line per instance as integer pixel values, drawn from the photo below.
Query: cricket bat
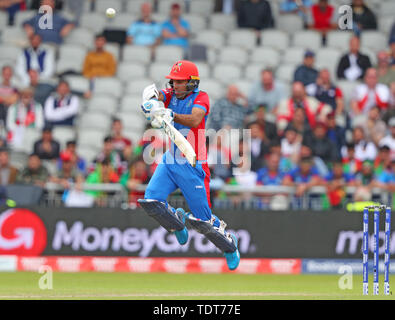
(179, 140)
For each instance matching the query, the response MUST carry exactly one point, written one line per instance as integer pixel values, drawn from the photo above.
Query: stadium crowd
(304, 133)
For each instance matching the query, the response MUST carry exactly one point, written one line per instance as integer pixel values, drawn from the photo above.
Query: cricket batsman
(188, 107)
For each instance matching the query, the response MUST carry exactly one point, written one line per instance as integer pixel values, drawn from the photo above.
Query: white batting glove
(150, 92)
(166, 114)
(149, 106)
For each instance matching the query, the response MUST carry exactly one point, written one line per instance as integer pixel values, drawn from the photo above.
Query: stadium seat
(63, 134)
(204, 70)
(293, 55)
(267, 56)
(371, 54)
(285, 73)
(134, 6)
(243, 38)
(168, 54)
(71, 57)
(122, 21)
(102, 103)
(137, 86)
(77, 83)
(102, 5)
(94, 120)
(211, 38)
(197, 52)
(5, 62)
(374, 40)
(338, 39)
(140, 54)
(274, 38)
(87, 152)
(3, 20)
(196, 23)
(387, 8)
(201, 7)
(132, 120)
(108, 85)
(347, 88)
(385, 23)
(30, 136)
(308, 39)
(164, 6)
(213, 87)
(14, 35)
(226, 73)
(328, 58)
(253, 70)
(157, 71)
(22, 16)
(236, 55)
(94, 21)
(289, 23)
(129, 70)
(244, 85)
(18, 159)
(9, 52)
(113, 48)
(131, 103)
(223, 22)
(133, 135)
(81, 36)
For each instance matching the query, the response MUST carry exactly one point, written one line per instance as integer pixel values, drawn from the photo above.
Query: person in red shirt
(322, 17)
(121, 143)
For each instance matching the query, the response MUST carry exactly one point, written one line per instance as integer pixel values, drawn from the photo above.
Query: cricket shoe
(233, 258)
(181, 235)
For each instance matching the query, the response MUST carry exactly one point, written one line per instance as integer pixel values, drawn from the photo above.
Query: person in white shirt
(364, 150)
(62, 107)
(35, 57)
(389, 140)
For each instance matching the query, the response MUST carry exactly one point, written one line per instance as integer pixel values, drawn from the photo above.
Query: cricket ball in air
(110, 12)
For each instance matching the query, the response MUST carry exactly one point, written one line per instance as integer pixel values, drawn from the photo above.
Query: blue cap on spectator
(309, 53)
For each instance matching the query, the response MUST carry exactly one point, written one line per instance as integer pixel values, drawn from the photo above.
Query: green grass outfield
(152, 286)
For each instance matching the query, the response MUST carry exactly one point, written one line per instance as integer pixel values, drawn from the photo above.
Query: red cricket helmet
(185, 70)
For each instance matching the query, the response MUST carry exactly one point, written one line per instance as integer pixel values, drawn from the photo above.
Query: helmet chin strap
(183, 93)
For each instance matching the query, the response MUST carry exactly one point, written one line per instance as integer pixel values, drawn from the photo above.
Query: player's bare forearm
(190, 120)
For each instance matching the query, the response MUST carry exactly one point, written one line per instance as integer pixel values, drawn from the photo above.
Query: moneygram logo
(22, 232)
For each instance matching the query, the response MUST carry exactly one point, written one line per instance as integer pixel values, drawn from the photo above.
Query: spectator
(383, 160)
(12, 7)
(369, 94)
(35, 57)
(8, 173)
(108, 152)
(271, 173)
(392, 48)
(229, 111)
(285, 164)
(337, 180)
(364, 149)
(266, 91)
(121, 144)
(255, 14)
(304, 177)
(385, 73)
(175, 31)
(26, 113)
(390, 111)
(389, 139)
(324, 90)
(47, 148)
(321, 145)
(386, 179)
(136, 175)
(219, 157)
(68, 173)
(364, 181)
(145, 31)
(313, 109)
(351, 165)
(363, 18)
(34, 173)
(299, 122)
(375, 128)
(336, 133)
(322, 17)
(306, 73)
(298, 7)
(103, 173)
(269, 128)
(42, 90)
(8, 91)
(99, 62)
(259, 145)
(78, 162)
(61, 107)
(290, 144)
(61, 27)
(353, 65)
